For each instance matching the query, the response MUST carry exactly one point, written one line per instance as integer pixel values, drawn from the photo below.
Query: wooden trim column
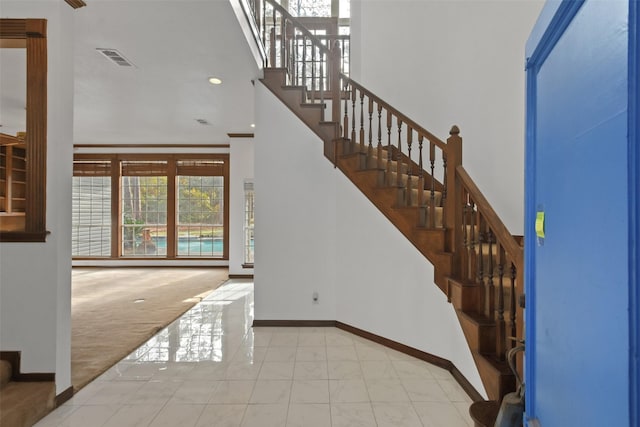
(172, 208)
(36, 139)
(227, 192)
(116, 218)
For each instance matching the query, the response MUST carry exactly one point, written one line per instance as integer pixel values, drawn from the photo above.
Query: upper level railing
(304, 53)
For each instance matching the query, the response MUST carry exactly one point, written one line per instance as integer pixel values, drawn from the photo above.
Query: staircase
(24, 398)
(414, 178)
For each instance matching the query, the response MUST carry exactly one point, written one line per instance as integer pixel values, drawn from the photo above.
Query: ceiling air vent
(116, 57)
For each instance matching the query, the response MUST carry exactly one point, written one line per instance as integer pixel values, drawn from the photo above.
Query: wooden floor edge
(295, 323)
(64, 396)
(241, 276)
(402, 348)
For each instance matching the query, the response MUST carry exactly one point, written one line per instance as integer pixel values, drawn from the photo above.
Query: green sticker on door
(540, 224)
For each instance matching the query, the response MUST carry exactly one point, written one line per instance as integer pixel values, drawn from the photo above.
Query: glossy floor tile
(211, 368)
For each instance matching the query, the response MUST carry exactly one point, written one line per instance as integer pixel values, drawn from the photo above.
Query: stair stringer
(495, 374)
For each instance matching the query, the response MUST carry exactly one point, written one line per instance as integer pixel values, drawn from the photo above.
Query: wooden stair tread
(477, 318)
(6, 372)
(22, 404)
(314, 105)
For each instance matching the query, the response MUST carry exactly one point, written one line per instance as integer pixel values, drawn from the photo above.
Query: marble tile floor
(211, 368)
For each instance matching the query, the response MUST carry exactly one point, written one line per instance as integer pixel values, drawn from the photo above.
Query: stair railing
(426, 171)
(492, 258)
(419, 164)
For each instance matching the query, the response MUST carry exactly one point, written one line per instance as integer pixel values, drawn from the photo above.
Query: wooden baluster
(322, 84)
(283, 48)
(294, 51)
(370, 147)
(445, 185)
(420, 176)
(398, 156)
(479, 242)
(489, 272)
(353, 117)
(466, 242)
(313, 71)
(432, 195)
(304, 61)
(275, 38)
(388, 173)
(345, 124)
(361, 150)
(379, 165)
(334, 86)
(473, 261)
(409, 197)
(501, 333)
(512, 303)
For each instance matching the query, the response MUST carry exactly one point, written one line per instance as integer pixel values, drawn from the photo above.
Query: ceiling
(175, 46)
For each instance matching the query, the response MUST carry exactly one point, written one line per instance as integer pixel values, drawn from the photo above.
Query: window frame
(249, 212)
(172, 200)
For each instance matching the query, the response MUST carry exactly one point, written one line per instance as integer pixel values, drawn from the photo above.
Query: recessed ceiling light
(215, 81)
(253, 125)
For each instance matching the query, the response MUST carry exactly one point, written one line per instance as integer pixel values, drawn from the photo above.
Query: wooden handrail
(249, 8)
(501, 232)
(431, 137)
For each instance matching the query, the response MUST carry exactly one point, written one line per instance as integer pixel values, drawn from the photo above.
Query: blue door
(577, 271)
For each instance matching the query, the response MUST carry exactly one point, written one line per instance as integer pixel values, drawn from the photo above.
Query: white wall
(455, 62)
(241, 168)
(315, 231)
(35, 278)
(295, 223)
(385, 286)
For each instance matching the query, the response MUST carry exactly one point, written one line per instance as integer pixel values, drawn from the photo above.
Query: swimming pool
(191, 245)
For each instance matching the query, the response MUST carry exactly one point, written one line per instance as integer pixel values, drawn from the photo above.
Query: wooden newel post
(334, 83)
(453, 205)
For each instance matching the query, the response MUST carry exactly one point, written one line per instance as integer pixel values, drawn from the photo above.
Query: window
(143, 198)
(91, 216)
(154, 206)
(201, 231)
(310, 7)
(248, 224)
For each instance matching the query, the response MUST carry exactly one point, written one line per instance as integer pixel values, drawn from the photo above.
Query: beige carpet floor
(115, 310)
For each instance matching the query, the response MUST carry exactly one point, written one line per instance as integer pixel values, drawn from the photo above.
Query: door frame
(551, 25)
(554, 19)
(634, 211)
